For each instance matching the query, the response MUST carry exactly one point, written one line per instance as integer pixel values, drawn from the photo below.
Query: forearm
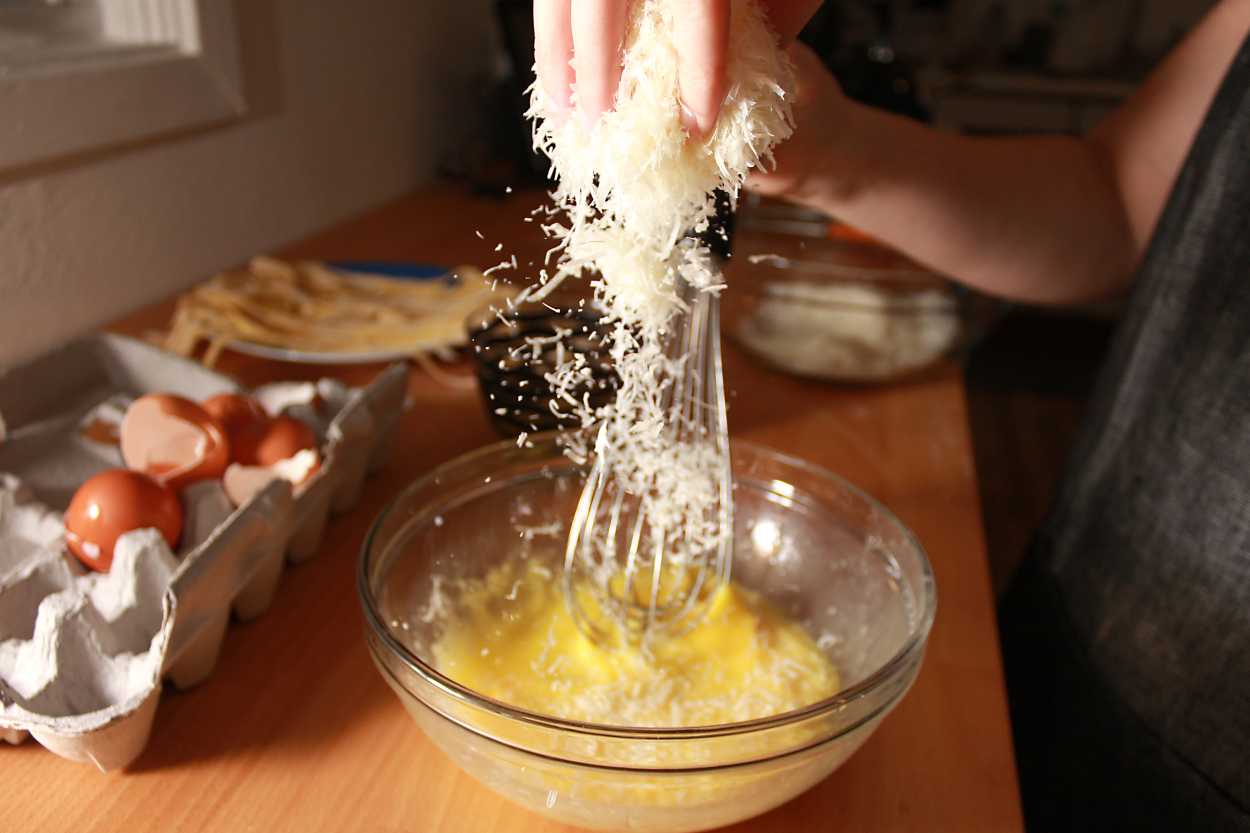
(1047, 219)
(1035, 219)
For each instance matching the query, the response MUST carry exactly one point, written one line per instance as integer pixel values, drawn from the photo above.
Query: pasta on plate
(311, 308)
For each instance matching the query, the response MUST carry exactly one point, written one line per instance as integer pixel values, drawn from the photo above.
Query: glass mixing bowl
(815, 298)
(816, 547)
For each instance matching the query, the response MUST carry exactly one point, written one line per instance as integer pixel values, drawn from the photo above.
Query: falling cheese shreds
(634, 188)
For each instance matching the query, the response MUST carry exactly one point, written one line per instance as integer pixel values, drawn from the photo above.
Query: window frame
(174, 66)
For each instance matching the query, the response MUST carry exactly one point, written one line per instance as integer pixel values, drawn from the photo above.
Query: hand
(806, 169)
(580, 40)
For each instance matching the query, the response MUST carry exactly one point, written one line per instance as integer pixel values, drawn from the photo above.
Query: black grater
(511, 378)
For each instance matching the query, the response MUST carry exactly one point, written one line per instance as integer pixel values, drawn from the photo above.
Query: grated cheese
(632, 188)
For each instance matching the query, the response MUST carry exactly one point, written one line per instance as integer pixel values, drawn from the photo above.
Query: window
(79, 75)
(29, 28)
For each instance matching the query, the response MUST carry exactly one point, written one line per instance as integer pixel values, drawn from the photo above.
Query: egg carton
(83, 656)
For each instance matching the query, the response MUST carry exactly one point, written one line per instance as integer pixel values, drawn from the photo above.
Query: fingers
(578, 42)
(553, 53)
(598, 28)
(702, 29)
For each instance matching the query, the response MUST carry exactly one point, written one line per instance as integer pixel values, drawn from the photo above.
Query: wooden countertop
(297, 731)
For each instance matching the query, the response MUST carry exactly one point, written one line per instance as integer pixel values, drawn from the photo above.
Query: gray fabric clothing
(1127, 637)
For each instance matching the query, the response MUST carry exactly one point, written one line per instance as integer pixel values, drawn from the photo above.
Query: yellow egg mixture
(514, 639)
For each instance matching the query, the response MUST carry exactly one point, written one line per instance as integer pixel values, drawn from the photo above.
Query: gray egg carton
(86, 654)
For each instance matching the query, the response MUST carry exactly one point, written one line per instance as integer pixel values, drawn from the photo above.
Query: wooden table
(296, 730)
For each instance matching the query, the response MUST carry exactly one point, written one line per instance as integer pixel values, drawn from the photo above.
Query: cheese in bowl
(795, 664)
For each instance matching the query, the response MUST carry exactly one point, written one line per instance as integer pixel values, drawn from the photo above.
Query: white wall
(350, 104)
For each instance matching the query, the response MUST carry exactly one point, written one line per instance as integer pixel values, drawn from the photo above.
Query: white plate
(283, 354)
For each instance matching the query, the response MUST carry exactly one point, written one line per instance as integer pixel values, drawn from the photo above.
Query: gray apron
(1126, 635)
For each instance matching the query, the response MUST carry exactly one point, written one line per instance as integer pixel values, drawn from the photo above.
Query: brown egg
(234, 412)
(174, 440)
(273, 441)
(112, 503)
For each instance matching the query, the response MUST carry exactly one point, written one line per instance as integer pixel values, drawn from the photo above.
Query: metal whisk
(621, 563)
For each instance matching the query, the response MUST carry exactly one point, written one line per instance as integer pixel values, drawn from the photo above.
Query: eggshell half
(242, 483)
(277, 397)
(174, 440)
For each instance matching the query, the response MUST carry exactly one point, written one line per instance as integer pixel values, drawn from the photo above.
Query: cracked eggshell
(314, 404)
(229, 566)
(243, 482)
(279, 398)
(173, 439)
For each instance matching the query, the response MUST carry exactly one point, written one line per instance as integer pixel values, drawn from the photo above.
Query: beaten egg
(513, 638)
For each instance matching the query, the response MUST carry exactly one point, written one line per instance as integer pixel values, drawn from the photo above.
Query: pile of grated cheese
(629, 191)
(635, 184)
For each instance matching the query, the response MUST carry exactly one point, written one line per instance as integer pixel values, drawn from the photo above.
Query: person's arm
(1043, 219)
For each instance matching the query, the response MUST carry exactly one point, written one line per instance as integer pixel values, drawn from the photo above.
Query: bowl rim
(913, 645)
